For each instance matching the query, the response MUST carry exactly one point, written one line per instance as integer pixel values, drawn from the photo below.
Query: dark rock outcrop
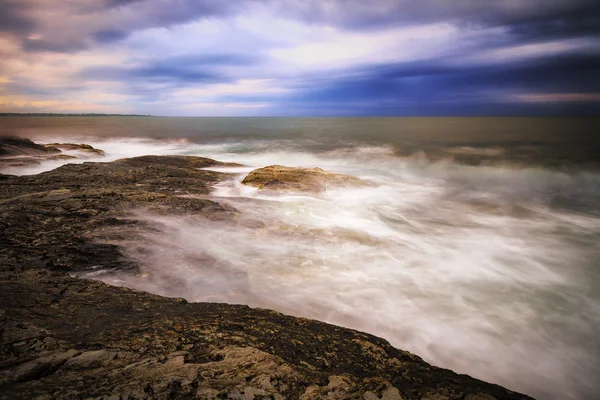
(11, 146)
(21, 152)
(315, 180)
(86, 148)
(68, 338)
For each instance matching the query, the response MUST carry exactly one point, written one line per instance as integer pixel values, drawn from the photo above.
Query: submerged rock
(19, 161)
(62, 157)
(68, 338)
(315, 180)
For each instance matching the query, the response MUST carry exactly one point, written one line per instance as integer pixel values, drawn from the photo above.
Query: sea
(475, 245)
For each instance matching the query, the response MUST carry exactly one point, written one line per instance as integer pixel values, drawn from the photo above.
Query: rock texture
(19, 152)
(16, 146)
(315, 180)
(68, 338)
(86, 148)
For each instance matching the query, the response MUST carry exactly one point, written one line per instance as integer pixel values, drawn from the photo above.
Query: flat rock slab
(313, 180)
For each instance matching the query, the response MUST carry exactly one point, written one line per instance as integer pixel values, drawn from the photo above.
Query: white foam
(472, 268)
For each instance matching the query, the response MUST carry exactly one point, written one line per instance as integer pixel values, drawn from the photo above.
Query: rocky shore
(67, 338)
(19, 152)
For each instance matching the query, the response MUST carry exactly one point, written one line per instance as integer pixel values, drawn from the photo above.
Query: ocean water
(476, 246)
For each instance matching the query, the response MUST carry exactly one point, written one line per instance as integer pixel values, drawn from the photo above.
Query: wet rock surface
(86, 148)
(11, 146)
(314, 180)
(19, 152)
(68, 338)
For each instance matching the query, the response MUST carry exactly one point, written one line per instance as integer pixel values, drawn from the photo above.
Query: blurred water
(476, 246)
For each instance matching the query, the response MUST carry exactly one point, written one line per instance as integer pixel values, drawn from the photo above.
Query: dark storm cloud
(171, 73)
(196, 68)
(425, 88)
(152, 74)
(14, 17)
(490, 34)
(119, 3)
(572, 23)
(117, 18)
(110, 35)
(189, 10)
(528, 19)
(177, 71)
(361, 15)
(563, 73)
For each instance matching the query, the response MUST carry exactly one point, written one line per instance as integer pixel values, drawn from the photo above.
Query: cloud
(75, 25)
(431, 87)
(302, 57)
(151, 73)
(381, 13)
(109, 35)
(14, 17)
(69, 25)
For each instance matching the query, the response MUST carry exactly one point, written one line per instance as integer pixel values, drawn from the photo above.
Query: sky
(301, 57)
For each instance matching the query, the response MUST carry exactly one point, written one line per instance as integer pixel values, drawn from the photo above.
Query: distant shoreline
(70, 115)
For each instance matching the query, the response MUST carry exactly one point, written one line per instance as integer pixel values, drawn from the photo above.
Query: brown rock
(314, 180)
(76, 146)
(17, 146)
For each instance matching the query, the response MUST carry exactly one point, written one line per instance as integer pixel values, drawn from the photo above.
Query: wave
(489, 270)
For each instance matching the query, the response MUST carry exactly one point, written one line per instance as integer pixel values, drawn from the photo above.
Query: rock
(388, 393)
(169, 175)
(315, 180)
(36, 368)
(176, 161)
(20, 152)
(74, 146)
(57, 219)
(67, 338)
(11, 146)
(20, 161)
(339, 383)
(479, 396)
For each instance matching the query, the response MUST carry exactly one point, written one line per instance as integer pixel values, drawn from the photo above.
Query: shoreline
(70, 337)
